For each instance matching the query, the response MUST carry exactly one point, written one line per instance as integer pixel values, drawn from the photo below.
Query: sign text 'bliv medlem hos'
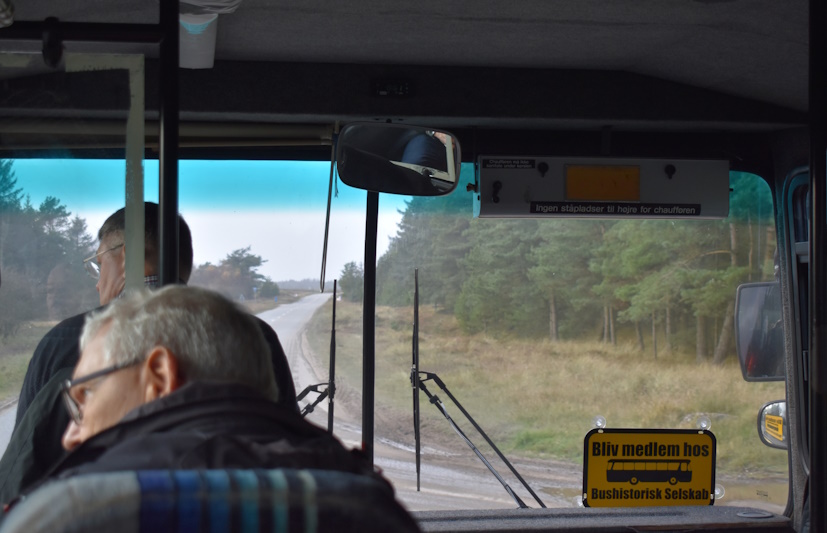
(641, 467)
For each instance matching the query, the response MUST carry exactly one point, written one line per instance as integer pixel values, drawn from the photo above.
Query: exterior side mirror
(759, 338)
(390, 158)
(772, 425)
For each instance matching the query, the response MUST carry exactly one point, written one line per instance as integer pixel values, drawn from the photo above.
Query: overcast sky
(276, 207)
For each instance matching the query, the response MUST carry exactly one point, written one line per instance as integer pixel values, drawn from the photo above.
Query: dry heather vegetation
(539, 398)
(15, 352)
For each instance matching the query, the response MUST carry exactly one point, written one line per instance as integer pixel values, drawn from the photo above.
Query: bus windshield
(541, 328)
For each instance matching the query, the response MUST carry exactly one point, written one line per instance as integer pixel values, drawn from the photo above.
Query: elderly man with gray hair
(181, 378)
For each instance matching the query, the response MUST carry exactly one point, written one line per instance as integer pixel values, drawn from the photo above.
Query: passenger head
(112, 253)
(158, 341)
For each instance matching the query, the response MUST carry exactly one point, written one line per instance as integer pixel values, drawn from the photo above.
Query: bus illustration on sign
(649, 470)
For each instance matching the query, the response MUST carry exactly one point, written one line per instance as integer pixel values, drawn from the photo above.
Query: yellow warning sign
(636, 467)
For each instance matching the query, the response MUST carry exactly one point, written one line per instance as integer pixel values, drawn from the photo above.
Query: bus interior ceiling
(580, 78)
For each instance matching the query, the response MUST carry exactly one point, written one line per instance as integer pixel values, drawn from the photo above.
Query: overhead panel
(541, 187)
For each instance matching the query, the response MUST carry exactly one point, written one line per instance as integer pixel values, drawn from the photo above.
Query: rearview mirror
(395, 159)
(759, 338)
(772, 424)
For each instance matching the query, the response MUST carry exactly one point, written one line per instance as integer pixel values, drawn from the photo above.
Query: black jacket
(35, 445)
(211, 425)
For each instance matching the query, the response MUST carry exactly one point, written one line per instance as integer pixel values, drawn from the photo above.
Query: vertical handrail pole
(369, 323)
(168, 101)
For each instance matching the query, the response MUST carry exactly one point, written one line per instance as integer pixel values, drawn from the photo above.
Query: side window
(50, 211)
(51, 203)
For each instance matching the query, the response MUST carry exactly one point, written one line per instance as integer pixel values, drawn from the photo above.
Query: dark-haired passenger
(35, 445)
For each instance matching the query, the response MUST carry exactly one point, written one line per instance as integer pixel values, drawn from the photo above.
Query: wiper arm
(434, 399)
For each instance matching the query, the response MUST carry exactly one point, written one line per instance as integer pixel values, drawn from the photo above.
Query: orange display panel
(598, 183)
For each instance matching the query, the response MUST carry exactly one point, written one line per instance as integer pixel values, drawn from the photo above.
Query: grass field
(539, 398)
(15, 352)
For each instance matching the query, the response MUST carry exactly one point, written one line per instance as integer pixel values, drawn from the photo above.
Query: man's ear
(160, 374)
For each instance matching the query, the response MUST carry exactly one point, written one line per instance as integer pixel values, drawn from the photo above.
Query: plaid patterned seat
(185, 501)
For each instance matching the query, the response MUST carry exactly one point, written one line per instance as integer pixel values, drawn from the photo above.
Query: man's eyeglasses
(92, 267)
(71, 403)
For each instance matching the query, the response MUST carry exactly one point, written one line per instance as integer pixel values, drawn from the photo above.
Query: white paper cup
(197, 40)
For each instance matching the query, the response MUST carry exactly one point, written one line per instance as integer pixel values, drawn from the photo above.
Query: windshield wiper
(417, 382)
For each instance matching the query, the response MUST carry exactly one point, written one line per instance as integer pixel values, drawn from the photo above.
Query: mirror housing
(772, 425)
(759, 331)
(390, 158)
